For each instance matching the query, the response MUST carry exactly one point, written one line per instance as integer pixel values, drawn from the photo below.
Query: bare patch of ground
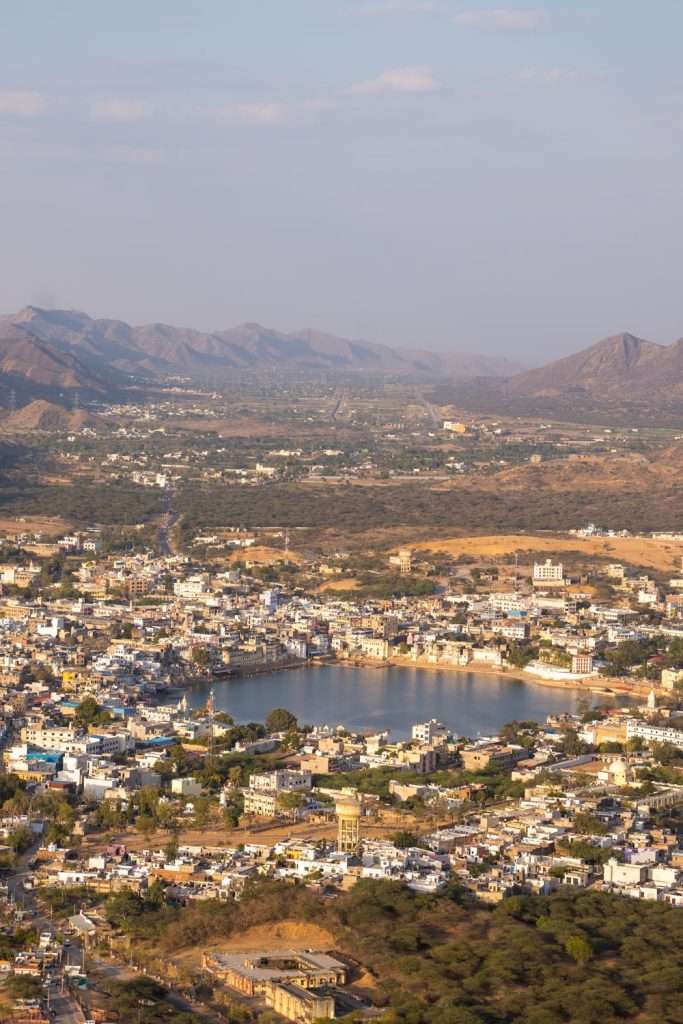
(342, 583)
(264, 555)
(275, 937)
(50, 526)
(662, 555)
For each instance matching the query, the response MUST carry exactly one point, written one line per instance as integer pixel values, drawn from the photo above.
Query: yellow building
(301, 1005)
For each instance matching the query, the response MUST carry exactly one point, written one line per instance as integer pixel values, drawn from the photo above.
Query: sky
(426, 173)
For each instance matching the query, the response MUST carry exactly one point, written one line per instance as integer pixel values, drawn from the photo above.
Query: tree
(123, 908)
(231, 815)
(202, 810)
(201, 656)
(519, 655)
(588, 825)
(579, 948)
(20, 840)
(145, 824)
(90, 713)
(404, 840)
(171, 849)
(281, 720)
(22, 987)
(289, 801)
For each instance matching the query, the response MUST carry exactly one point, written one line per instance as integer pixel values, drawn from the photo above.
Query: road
(120, 972)
(67, 1010)
(166, 523)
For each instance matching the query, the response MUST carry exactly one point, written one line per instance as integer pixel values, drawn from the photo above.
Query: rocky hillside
(108, 346)
(43, 415)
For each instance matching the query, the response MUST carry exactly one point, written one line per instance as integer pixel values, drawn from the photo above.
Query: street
(67, 1010)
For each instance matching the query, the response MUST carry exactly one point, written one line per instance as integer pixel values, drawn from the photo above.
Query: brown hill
(114, 345)
(622, 379)
(621, 366)
(43, 415)
(29, 362)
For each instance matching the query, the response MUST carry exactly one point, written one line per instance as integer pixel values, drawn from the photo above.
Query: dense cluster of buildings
(96, 704)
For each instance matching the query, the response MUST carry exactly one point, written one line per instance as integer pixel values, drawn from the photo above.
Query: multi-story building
(582, 664)
(429, 732)
(654, 733)
(548, 573)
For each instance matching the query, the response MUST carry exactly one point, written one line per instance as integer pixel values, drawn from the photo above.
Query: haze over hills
(32, 368)
(86, 354)
(621, 376)
(42, 415)
(45, 353)
(621, 366)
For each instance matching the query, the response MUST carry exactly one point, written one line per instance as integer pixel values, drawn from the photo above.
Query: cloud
(20, 103)
(133, 155)
(121, 108)
(550, 76)
(254, 113)
(502, 19)
(386, 7)
(398, 80)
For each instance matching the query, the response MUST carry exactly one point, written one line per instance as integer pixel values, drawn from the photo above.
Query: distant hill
(113, 347)
(621, 366)
(29, 364)
(43, 415)
(621, 377)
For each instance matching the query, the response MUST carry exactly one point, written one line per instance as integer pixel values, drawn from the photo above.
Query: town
(124, 791)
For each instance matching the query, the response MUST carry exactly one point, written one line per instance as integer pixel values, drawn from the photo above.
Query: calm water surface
(393, 698)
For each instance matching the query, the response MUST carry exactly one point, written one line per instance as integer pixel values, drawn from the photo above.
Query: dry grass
(264, 555)
(267, 938)
(342, 584)
(50, 526)
(661, 555)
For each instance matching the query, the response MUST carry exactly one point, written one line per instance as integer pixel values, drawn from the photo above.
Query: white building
(429, 732)
(654, 733)
(548, 573)
(186, 787)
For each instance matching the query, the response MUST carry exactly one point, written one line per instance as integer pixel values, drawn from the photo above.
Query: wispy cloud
(254, 113)
(22, 103)
(122, 109)
(550, 76)
(502, 19)
(133, 155)
(380, 8)
(398, 80)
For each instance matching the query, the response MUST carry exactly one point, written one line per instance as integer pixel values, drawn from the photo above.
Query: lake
(470, 703)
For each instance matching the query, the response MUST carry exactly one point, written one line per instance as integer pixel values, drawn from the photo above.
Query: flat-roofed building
(252, 973)
(302, 1005)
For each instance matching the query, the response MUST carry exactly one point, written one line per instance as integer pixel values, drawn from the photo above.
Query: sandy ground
(51, 526)
(662, 555)
(213, 836)
(264, 555)
(268, 938)
(341, 583)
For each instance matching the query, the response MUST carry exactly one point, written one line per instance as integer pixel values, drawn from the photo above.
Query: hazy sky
(418, 172)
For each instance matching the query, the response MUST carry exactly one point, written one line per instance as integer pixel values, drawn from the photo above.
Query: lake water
(470, 703)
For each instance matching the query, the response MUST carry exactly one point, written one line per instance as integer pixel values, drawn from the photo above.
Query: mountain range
(45, 353)
(42, 350)
(621, 378)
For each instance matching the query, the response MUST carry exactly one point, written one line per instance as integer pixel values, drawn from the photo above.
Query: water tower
(348, 823)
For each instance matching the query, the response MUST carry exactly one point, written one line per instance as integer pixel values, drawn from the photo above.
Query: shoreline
(606, 687)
